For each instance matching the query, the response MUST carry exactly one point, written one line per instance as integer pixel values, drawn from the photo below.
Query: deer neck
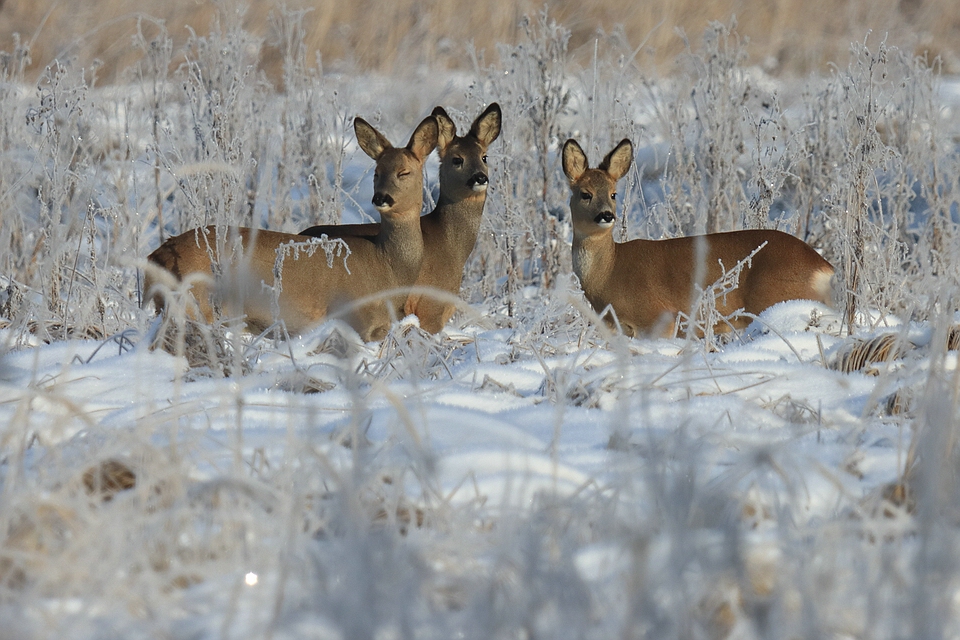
(404, 251)
(593, 261)
(456, 223)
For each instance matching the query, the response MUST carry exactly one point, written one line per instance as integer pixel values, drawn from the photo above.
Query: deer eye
(586, 196)
(402, 173)
(484, 158)
(614, 195)
(458, 162)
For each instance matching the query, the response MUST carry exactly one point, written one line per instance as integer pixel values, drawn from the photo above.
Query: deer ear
(447, 127)
(618, 161)
(424, 138)
(486, 127)
(371, 141)
(574, 160)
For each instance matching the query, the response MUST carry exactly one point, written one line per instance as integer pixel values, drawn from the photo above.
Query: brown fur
(312, 290)
(450, 230)
(648, 282)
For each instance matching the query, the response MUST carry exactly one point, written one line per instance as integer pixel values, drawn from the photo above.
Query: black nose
(478, 179)
(382, 200)
(604, 217)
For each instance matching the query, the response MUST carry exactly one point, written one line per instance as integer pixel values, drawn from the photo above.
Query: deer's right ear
(371, 141)
(447, 127)
(574, 160)
(618, 161)
(424, 138)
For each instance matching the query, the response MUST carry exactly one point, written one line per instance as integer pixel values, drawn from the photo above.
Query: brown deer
(450, 230)
(313, 285)
(648, 282)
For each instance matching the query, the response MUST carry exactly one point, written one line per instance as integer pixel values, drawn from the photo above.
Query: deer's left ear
(486, 127)
(618, 161)
(424, 138)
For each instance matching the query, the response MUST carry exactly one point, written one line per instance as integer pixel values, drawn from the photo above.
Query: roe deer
(648, 282)
(312, 286)
(450, 230)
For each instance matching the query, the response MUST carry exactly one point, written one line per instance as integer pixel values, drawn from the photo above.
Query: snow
(495, 430)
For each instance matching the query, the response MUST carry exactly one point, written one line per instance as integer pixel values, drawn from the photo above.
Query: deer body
(450, 230)
(648, 282)
(311, 286)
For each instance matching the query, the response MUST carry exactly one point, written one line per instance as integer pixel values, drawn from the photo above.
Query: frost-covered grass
(526, 473)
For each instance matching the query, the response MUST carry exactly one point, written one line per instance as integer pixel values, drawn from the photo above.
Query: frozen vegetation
(527, 473)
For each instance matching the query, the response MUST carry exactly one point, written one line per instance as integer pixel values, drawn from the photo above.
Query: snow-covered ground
(488, 434)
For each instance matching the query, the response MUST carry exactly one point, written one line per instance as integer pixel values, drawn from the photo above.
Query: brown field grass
(786, 36)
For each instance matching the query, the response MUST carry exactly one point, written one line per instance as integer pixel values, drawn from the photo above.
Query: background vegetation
(786, 36)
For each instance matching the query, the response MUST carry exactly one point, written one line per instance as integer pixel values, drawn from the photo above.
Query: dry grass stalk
(859, 355)
(108, 478)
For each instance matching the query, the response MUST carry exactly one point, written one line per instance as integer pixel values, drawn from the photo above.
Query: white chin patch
(479, 188)
(605, 225)
(382, 208)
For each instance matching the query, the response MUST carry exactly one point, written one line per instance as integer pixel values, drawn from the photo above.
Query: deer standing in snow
(649, 282)
(450, 230)
(313, 285)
